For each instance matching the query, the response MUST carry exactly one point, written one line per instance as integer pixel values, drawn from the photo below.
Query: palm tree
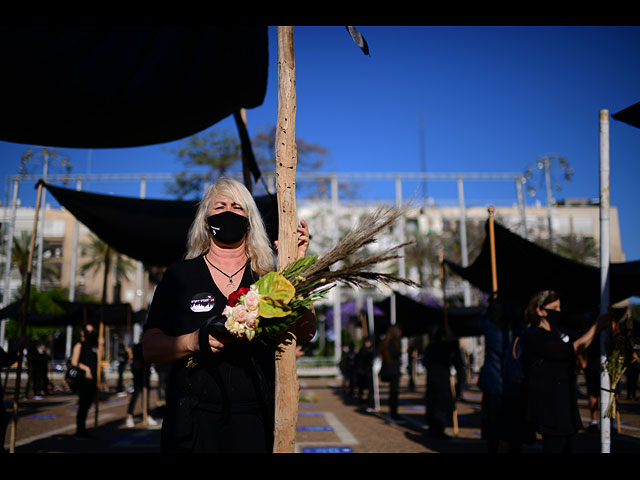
(101, 255)
(20, 258)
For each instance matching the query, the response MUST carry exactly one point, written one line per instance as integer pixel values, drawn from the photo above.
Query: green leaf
(273, 285)
(270, 307)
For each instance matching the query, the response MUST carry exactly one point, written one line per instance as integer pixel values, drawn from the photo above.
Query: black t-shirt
(89, 357)
(185, 298)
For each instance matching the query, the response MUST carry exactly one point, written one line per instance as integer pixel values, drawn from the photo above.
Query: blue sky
(492, 99)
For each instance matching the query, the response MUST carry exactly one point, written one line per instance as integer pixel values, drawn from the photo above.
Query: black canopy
(115, 314)
(124, 86)
(152, 231)
(416, 318)
(630, 115)
(524, 268)
(76, 313)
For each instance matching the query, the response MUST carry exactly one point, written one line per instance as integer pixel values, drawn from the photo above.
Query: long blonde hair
(257, 245)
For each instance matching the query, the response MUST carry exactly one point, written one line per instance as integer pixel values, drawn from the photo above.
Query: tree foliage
(208, 155)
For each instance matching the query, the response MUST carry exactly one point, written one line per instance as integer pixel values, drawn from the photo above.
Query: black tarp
(629, 115)
(72, 316)
(416, 318)
(524, 268)
(77, 313)
(115, 314)
(151, 231)
(121, 86)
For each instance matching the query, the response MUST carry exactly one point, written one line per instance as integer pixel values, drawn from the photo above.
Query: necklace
(230, 277)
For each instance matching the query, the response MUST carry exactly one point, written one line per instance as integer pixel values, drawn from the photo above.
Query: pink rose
(250, 319)
(252, 300)
(239, 313)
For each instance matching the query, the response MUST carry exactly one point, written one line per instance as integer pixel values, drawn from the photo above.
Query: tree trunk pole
(107, 266)
(286, 395)
(492, 243)
(24, 314)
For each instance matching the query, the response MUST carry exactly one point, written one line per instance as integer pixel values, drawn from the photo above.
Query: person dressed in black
(438, 359)
(6, 360)
(85, 358)
(504, 402)
(347, 368)
(124, 357)
(141, 372)
(391, 351)
(550, 362)
(220, 389)
(364, 373)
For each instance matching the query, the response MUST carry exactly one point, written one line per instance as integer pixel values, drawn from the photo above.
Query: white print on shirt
(202, 302)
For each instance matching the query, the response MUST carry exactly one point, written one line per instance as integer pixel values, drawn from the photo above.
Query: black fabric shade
(416, 318)
(126, 86)
(151, 231)
(524, 268)
(629, 115)
(76, 313)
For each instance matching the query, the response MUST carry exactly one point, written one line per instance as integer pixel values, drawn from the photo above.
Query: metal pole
(12, 229)
(38, 282)
(337, 297)
(464, 253)
(6, 293)
(523, 216)
(605, 197)
(137, 329)
(547, 179)
(400, 231)
(377, 364)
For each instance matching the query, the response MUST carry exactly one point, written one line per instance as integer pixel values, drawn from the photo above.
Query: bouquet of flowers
(277, 300)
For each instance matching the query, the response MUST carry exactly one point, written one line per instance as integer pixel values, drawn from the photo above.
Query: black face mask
(553, 317)
(228, 227)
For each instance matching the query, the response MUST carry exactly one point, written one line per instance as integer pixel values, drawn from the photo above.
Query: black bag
(74, 377)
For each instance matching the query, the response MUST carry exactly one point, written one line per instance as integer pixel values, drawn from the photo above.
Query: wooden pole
(107, 264)
(24, 313)
(492, 242)
(287, 389)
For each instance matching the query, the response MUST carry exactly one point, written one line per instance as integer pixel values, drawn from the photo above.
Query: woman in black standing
(550, 361)
(85, 358)
(223, 403)
(391, 351)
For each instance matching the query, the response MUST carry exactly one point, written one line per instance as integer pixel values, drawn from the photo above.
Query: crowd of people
(528, 379)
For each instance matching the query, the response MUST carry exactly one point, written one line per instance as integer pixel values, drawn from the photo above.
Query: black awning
(115, 314)
(71, 316)
(630, 115)
(151, 231)
(416, 318)
(124, 86)
(524, 268)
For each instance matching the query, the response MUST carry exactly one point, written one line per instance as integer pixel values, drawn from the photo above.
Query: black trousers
(394, 391)
(138, 385)
(86, 396)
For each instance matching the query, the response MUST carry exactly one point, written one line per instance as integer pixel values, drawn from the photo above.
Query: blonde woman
(225, 402)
